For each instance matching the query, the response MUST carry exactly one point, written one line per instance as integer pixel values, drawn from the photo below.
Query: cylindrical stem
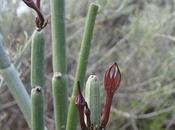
(59, 62)
(15, 85)
(58, 90)
(37, 108)
(106, 111)
(82, 64)
(37, 59)
(4, 60)
(58, 36)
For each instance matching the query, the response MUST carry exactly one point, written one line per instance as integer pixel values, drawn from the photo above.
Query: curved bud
(81, 103)
(40, 21)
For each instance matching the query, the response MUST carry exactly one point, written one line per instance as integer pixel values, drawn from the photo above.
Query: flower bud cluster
(112, 79)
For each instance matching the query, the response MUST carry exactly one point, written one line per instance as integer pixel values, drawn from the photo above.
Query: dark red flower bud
(112, 80)
(40, 21)
(81, 104)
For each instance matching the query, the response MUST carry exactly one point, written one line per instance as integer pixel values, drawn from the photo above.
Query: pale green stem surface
(58, 36)
(15, 85)
(37, 59)
(58, 91)
(37, 99)
(59, 63)
(82, 64)
(4, 60)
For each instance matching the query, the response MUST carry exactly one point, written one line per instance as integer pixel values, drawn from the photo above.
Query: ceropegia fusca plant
(91, 113)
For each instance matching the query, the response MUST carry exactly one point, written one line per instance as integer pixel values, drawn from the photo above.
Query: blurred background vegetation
(138, 34)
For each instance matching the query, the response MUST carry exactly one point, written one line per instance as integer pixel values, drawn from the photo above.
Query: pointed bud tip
(112, 78)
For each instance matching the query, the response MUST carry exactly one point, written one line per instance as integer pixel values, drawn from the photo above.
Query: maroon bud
(112, 80)
(81, 103)
(40, 21)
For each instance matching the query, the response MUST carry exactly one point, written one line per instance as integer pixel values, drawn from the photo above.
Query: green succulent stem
(58, 35)
(4, 60)
(37, 59)
(37, 99)
(59, 85)
(15, 85)
(82, 64)
(58, 91)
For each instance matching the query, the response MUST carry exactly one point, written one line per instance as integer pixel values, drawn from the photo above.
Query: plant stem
(82, 64)
(58, 36)
(16, 87)
(37, 59)
(58, 90)
(37, 98)
(59, 63)
(4, 60)
(106, 111)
